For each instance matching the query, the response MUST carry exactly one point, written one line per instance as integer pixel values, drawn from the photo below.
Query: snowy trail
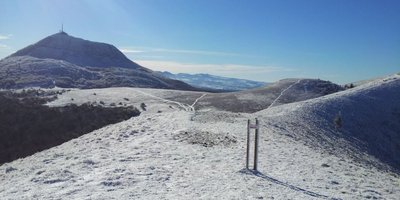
(185, 107)
(283, 91)
(194, 103)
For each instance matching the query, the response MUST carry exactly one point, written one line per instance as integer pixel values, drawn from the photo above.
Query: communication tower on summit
(62, 28)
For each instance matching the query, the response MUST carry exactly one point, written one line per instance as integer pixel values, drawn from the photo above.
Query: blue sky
(337, 40)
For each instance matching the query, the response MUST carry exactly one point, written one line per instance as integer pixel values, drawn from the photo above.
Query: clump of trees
(27, 126)
(349, 86)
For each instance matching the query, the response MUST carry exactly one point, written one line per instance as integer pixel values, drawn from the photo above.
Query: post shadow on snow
(276, 181)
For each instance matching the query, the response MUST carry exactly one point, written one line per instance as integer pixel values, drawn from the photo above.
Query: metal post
(248, 144)
(256, 146)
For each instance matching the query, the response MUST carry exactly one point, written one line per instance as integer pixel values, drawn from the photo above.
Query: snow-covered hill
(214, 82)
(65, 61)
(172, 152)
(370, 118)
(61, 46)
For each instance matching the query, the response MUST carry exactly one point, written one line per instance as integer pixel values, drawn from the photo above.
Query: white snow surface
(183, 154)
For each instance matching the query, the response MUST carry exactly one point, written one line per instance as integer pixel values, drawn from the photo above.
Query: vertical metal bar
(256, 146)
(248, 144)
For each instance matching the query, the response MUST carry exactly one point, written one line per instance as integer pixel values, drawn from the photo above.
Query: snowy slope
(27, 71)
(370, 117)
(181, 154)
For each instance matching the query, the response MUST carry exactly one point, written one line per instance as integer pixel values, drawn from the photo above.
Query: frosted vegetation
(28, 127)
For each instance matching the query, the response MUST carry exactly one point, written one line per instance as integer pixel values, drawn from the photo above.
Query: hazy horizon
(341, 41)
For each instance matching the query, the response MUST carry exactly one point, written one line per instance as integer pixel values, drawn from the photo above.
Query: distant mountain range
(65, 61)
(208, 81)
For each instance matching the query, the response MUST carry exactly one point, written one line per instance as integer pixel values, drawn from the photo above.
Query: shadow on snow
(288, 185)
